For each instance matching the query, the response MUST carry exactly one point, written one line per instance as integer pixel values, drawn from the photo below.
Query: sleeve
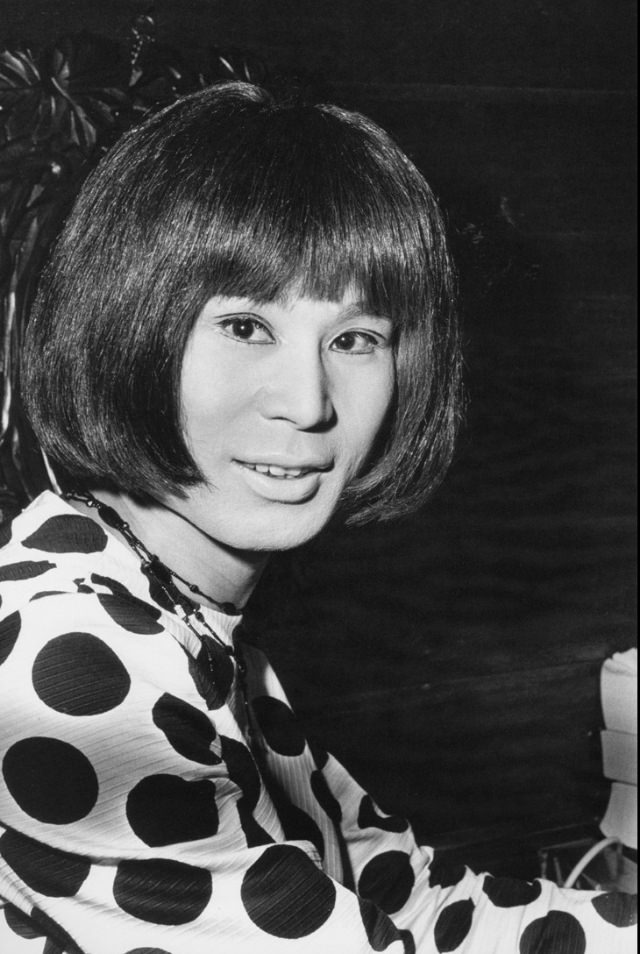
(458, 910)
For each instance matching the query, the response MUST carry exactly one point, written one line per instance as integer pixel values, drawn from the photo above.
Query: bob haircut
(228, 192)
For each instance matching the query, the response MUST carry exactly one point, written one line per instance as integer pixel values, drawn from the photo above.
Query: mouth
(291, 483)
(278, 472)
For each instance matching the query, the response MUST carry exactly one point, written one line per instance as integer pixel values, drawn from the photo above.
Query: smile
(278, 472)
(284, 483)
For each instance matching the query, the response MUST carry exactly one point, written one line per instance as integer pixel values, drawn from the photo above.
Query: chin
(283, 532)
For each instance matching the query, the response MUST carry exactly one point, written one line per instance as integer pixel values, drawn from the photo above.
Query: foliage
(60, 111)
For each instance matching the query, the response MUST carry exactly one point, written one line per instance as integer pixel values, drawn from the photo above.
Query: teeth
(276, 471)
(283, 473)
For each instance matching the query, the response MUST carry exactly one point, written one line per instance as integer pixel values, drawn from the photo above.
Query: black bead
(110, 517)
(160, 571)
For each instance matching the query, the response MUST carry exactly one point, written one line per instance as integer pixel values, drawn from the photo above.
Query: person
(247, 327)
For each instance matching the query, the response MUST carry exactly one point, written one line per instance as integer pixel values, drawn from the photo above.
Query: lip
(285, 461)
(286, 488)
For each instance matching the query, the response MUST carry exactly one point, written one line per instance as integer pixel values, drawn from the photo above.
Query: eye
(357, 342)
(246, 329)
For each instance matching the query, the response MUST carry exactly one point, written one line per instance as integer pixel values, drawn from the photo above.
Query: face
(281, 405)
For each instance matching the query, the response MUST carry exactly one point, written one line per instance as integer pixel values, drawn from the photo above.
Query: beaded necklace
(188, 611)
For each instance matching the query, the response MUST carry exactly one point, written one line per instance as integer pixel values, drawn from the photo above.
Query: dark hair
(228, 192)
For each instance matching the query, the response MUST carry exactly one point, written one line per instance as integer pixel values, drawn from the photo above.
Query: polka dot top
(141, 814)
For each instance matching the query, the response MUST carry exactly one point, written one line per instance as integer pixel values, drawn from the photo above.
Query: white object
(620, 756)
(619, 691)
(621, 817)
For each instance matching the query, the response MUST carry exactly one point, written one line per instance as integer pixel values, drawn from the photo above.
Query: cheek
(368, 414)
(209, 406)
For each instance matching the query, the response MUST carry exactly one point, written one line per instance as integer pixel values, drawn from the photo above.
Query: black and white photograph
(318, 477)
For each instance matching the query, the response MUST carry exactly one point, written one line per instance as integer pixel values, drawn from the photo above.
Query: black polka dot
(368, 817)
(58, 941)
(445, 873)
(167, 810)
(299, 826)
(242, 769)
(162, 891)
(509, 892)
(254, 833)
(453, 925)
(387, 880)
(325, 797)
(212, 673)
(119, 589)
(51, 947)
(285, 895)
(20, 924)
(132, 614)
(189, 732)
(147, 950)
(78, 674)
(52, 872)
(25, 570)
(279, 726)
(32, 927)
(116, 586)
(557, 931)
(67, 533)
(319, 754)
(617, 908)
(43, 593)
(5, 533)
(9, 632)
(50, 780)
(380, 929)
(408, 941)
(242, 772)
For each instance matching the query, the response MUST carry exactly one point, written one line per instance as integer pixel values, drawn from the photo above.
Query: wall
(452, 661)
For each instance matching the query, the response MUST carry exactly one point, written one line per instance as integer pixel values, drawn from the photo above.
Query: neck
(226, 575)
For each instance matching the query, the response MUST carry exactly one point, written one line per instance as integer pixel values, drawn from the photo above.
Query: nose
(299, 391)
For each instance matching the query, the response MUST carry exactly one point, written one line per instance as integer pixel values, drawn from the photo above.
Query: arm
(460, 911)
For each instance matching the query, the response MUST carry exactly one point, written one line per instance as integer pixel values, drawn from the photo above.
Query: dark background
(452, 661)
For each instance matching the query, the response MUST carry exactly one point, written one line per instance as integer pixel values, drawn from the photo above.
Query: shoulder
(61, 575)
(50, 550)
(42, 537)
(30, 551)
(76, 631)
(50, 524)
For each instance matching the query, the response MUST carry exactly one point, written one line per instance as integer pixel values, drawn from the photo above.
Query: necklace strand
(186, 610)
(113, 519)
(154, 568)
